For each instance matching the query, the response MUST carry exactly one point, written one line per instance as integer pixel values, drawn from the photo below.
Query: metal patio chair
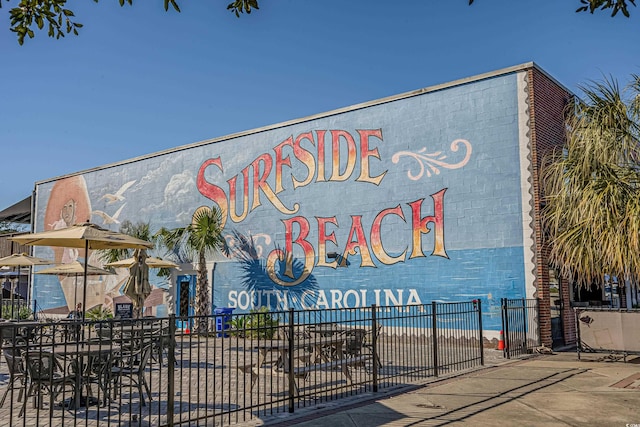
(45, 375)
(131, 365)
(17, 374)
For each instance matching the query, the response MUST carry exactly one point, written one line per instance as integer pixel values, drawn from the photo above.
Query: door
(185, 298)
(555, 304)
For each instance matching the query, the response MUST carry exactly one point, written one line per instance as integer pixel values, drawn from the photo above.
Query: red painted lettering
(210, 191)
(419, 226)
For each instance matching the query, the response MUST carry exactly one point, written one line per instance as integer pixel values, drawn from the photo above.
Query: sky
(139, 80)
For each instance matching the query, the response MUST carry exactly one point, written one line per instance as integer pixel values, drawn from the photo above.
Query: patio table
(9, 331)
(318, 354)
(79, 354)
(317, 347)
(325, 330)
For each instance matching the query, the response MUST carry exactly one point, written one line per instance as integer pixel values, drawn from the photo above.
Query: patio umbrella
(137, 287)
(21, 260)
(74, 269)
(85, 235)
(150, 261)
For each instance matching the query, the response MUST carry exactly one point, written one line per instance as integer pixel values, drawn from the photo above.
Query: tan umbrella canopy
(150, 261)
(137, 287)
(85, 235)
(75, 269)
(21, 260)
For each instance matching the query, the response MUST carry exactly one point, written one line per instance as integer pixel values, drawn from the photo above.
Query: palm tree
(200, 238)
(592, 211)
(139, 230)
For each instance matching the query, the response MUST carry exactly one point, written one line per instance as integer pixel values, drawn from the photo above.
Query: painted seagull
(106, 218)
(112, 198)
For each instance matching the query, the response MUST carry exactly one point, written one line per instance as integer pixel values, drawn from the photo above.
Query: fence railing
(230, 368)
(520, 323)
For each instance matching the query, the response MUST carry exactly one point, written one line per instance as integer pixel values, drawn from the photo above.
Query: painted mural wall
(403, 202)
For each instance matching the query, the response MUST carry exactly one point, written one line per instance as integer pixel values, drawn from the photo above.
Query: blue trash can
(223, 319)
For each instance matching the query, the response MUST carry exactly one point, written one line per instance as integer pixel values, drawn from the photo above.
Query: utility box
(223, 320)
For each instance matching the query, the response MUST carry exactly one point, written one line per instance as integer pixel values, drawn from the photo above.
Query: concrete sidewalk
(553, 390)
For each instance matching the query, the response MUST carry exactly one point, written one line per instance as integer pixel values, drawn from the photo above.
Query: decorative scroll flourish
(434, 161)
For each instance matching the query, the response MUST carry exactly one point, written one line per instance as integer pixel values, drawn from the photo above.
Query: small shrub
(98, 313)
(20, 313)
(259, 323)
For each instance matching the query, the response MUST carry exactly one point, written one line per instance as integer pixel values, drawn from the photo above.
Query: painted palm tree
(254, 276)
(200, 238)
(592, 188)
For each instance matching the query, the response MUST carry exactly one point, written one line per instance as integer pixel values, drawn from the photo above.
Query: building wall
(548, 102)
(426, 196)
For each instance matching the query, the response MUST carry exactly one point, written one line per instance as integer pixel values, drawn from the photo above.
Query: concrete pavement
(542, 390)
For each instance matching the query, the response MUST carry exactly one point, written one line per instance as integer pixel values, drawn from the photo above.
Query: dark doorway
(183, 309)
(556, 304)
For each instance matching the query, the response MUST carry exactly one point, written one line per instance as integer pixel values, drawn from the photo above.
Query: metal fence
(227, 368)
(520, 323)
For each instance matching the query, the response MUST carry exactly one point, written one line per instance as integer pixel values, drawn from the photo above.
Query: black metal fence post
(171, 363)
(578, 338)
(434, 331)
(480, 332)
(538, 322)
(525, 328)
(374, 344)
(289, 362)
(505, 323)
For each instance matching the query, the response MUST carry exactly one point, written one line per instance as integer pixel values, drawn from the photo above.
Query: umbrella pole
(14, 285)
(140, 261)
(86, 263)
(75, 292)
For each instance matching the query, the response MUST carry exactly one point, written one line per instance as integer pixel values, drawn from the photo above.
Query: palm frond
(592, 196)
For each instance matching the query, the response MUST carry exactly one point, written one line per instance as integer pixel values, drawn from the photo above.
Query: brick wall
(547, 102)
